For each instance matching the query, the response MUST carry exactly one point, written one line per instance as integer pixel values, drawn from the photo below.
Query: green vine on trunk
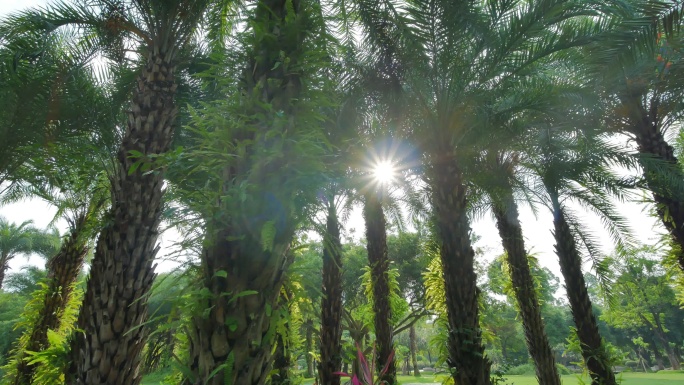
(51, 361)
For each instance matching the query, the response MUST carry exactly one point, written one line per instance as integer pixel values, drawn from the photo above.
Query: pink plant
(367, 370)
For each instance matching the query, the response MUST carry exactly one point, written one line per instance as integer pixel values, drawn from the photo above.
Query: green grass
(663, 378)
(423, 379)
(627, 379)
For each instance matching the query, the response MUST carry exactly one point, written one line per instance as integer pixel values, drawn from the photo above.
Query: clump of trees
(250, 127)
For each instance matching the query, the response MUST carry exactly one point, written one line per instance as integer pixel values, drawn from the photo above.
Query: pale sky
(539, 239)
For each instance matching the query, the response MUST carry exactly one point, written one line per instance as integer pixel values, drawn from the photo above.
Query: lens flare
(384, 172)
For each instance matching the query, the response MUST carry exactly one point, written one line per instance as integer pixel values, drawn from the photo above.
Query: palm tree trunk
(593, 350)
(240, 331)
(63, 270)
(240, 328)
(376, 243)
(467, 358)
(309, 348)
(538, 345)
(122, 272)
(281, 357)
(652, 144)
(331, 304)
(281, 363)
(3, 268)
(412, 345)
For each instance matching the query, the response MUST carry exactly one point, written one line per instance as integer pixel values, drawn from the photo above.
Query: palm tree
(66, 177)
(500, 170)
(331, 303)
(593, 349)
(495, 177)
(643, 103)
(573, 167)
(22, 239)
(265, 192)
(376, 244)
(42, 86)
(413, 349)
(497, 43)
(378, 188)
(281, 357)
(63, 270)
(122, 273)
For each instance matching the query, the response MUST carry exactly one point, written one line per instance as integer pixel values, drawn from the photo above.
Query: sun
(384, 172)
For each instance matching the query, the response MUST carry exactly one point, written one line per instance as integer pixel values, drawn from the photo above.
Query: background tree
(18, 289)
(644, 298)
(22, 239)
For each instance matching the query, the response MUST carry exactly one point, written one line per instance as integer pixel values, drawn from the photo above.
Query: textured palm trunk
(331, 304)
(309, 349)
(281, 356)
(281, 364)
(376, 243)
(652, 144)
(593, 350)
(239, 332)
(414, 349)
(467, 358)
(3, 268)
(233, 344)
(121, 276)
(63, 270)
(538, 345)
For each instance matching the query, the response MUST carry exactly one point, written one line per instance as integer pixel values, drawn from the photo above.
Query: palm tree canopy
(26, 239)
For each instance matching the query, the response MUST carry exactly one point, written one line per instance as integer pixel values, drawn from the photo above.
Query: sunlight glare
(384, 172)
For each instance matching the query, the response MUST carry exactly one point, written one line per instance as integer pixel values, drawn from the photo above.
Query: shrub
(520, 370)
(631, 364)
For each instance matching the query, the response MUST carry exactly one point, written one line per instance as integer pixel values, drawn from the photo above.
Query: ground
(626, 379)
(662, 378)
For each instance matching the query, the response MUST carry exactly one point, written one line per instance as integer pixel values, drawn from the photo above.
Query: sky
(537, 230)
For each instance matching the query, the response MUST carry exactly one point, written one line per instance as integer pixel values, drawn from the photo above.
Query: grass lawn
(627, 379)
(664, 378)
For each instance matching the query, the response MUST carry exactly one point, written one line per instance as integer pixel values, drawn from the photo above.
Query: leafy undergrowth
(661, 378)
(156, 378)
